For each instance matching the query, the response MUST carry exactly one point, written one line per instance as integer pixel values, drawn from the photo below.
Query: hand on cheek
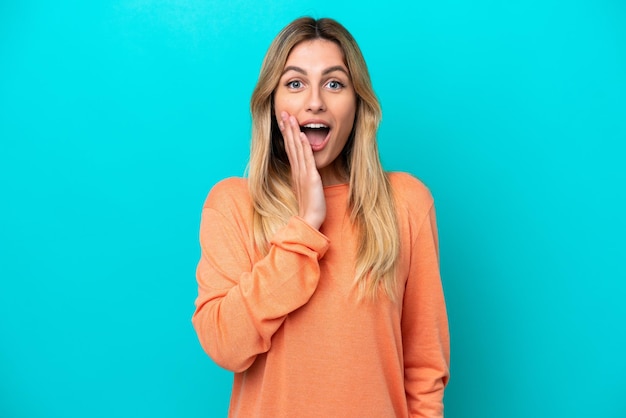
(306, 180)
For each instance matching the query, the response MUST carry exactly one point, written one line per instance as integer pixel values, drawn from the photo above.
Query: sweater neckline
(336, 189)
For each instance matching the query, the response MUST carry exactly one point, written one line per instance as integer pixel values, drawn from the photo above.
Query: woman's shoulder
(229, 191)
(409, 188)
(414, 202)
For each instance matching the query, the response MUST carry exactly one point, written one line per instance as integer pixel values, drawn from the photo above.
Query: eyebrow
(325, 72)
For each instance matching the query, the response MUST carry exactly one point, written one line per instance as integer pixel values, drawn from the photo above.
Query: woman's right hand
(306, 180)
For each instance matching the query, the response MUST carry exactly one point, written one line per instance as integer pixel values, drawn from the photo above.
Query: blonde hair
(370, 197)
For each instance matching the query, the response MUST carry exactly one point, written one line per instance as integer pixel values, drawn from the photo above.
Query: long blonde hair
(370, 197)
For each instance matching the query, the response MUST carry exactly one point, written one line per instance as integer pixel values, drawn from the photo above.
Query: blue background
(117, 117)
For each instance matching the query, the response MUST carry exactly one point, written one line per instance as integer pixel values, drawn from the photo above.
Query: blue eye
(335, 85)
(295, 84)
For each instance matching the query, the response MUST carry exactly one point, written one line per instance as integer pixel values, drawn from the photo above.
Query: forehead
(316, 53)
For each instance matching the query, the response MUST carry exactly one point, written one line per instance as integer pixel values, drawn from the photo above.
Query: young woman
(319, 283)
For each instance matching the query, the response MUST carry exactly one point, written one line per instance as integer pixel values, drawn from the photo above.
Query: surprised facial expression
(316, 88)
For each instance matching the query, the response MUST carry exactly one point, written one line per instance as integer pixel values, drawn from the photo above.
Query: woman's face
(316, 88)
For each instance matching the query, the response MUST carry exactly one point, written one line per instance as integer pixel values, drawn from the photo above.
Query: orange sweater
(291, 328)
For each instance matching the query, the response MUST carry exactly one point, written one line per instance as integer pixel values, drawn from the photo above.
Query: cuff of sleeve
(297, 231)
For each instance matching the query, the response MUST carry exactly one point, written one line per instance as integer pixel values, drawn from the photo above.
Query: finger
(297, 141)
(307, 154)
(286, 131)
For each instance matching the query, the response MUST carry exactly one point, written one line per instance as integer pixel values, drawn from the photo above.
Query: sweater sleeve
(240, 305)
(426, 340)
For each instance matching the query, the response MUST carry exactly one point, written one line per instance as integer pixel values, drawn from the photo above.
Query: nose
(316, 101)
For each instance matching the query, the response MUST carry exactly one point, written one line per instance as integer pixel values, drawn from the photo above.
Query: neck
(333, 175)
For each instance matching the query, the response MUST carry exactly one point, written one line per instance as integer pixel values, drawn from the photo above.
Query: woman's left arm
(425, 335)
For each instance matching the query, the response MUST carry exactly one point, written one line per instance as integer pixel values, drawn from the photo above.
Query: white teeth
(315, 125)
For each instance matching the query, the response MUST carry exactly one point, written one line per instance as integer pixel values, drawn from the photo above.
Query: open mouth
(316, 133)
